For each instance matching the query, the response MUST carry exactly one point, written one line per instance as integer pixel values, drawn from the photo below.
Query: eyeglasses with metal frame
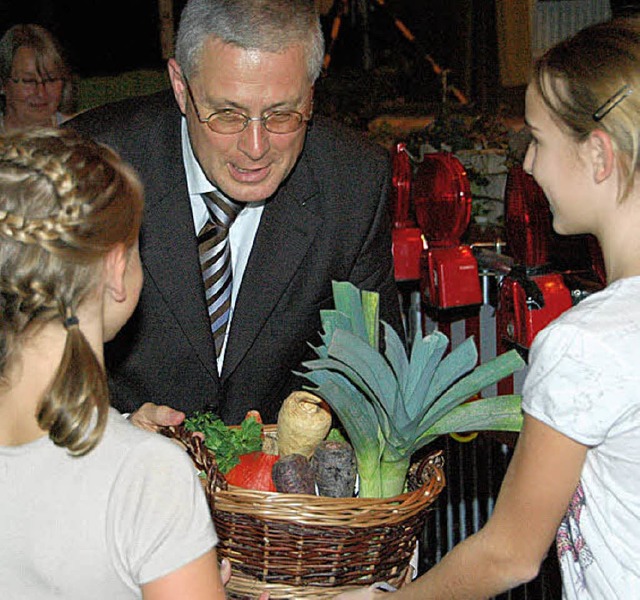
(228, 121)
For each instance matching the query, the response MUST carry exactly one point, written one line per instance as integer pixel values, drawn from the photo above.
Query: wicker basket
(303, 546)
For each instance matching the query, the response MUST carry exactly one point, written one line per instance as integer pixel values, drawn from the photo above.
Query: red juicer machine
(438, 190)
(442, 199)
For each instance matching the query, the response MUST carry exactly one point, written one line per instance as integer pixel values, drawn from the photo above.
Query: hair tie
(71, 321)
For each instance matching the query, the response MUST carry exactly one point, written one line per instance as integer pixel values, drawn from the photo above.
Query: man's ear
(115, 266)
(603, 157)
(177, 84)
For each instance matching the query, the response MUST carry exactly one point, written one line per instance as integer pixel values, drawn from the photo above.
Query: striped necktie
(215, 261)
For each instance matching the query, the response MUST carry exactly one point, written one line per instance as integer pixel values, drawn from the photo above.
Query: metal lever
(504, 265)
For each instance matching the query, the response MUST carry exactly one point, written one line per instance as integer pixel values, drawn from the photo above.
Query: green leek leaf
(371, 310)
(426, 354)
(483, 375)
(332, 320)
(373, 368)
(500, 413)
(396, 354)
(460, 361)
(347, 300)
(385, 419)
(358, 418)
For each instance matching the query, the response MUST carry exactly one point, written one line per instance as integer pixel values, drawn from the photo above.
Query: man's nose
(254, 140)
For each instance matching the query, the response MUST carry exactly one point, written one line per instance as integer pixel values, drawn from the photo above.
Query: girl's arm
(197, 580)
(538, 486)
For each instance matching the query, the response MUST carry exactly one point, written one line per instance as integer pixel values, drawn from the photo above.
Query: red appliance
(407, 241)
(527, 219)
(442, 199)
(528, 303)
(548, 273)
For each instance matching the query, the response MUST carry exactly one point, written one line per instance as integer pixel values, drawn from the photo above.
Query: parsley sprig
(228, 443)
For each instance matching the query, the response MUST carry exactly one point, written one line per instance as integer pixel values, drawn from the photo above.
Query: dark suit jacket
(329, 221)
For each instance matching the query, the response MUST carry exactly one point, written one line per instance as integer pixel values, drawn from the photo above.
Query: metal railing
(474, 471)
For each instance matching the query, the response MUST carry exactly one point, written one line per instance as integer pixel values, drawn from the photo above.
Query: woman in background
(35, 79)
(575, 473)
(90, 506)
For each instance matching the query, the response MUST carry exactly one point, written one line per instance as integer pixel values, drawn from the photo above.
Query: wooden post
(165, 8)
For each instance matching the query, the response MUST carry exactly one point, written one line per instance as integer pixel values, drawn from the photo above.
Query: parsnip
(303, 422)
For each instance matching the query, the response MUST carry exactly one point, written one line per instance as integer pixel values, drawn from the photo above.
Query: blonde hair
(65, 202)
(579, 78)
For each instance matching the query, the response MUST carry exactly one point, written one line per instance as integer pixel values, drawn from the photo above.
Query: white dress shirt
(241, 233)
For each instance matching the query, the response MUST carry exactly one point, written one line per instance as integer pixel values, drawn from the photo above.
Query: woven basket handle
(427, 473)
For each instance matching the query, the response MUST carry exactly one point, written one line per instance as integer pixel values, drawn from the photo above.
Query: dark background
(110, 37)
(99, 37)
(372, 63)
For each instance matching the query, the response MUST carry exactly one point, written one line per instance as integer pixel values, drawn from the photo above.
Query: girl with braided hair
(90, 506)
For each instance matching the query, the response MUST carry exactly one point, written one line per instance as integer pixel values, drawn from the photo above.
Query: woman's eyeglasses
(32, 83)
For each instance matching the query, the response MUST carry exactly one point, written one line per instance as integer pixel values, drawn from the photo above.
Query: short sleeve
(575, 383)
(158, 517)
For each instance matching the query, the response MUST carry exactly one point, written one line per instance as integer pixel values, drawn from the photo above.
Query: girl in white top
(575, 473)
(90, 506)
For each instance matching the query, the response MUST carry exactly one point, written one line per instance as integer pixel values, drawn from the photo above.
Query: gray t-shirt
(101, 525)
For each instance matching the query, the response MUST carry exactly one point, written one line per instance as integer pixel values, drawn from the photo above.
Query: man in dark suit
(313, 200)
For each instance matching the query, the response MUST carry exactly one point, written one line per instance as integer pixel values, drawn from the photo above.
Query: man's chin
(249, 192)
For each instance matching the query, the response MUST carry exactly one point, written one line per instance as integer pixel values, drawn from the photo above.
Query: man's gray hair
(266, 25)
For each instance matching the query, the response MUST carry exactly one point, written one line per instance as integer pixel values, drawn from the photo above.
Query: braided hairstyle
(65, 202)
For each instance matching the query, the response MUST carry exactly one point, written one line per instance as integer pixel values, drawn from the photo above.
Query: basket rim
(309, 509)
(240, 583)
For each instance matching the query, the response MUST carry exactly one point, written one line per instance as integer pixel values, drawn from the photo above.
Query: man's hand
(153, 416)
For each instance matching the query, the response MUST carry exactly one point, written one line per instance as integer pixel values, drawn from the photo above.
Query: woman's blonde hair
(592, 81)
(65, 202)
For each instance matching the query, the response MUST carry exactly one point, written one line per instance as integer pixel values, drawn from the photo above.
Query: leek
(390, 404)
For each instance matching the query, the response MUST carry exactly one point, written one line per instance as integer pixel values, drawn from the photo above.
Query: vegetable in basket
(303, 421)
(238, 450)
(334, 468)
(390, 404)
(254, 471)
(292, 474)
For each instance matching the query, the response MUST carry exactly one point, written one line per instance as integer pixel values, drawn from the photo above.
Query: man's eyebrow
(223, 102)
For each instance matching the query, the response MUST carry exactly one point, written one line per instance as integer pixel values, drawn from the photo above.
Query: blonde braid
(64, 203)
(36, 163)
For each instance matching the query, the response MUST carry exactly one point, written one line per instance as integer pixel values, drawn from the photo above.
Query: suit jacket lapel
(170, 253)
(286, 230)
